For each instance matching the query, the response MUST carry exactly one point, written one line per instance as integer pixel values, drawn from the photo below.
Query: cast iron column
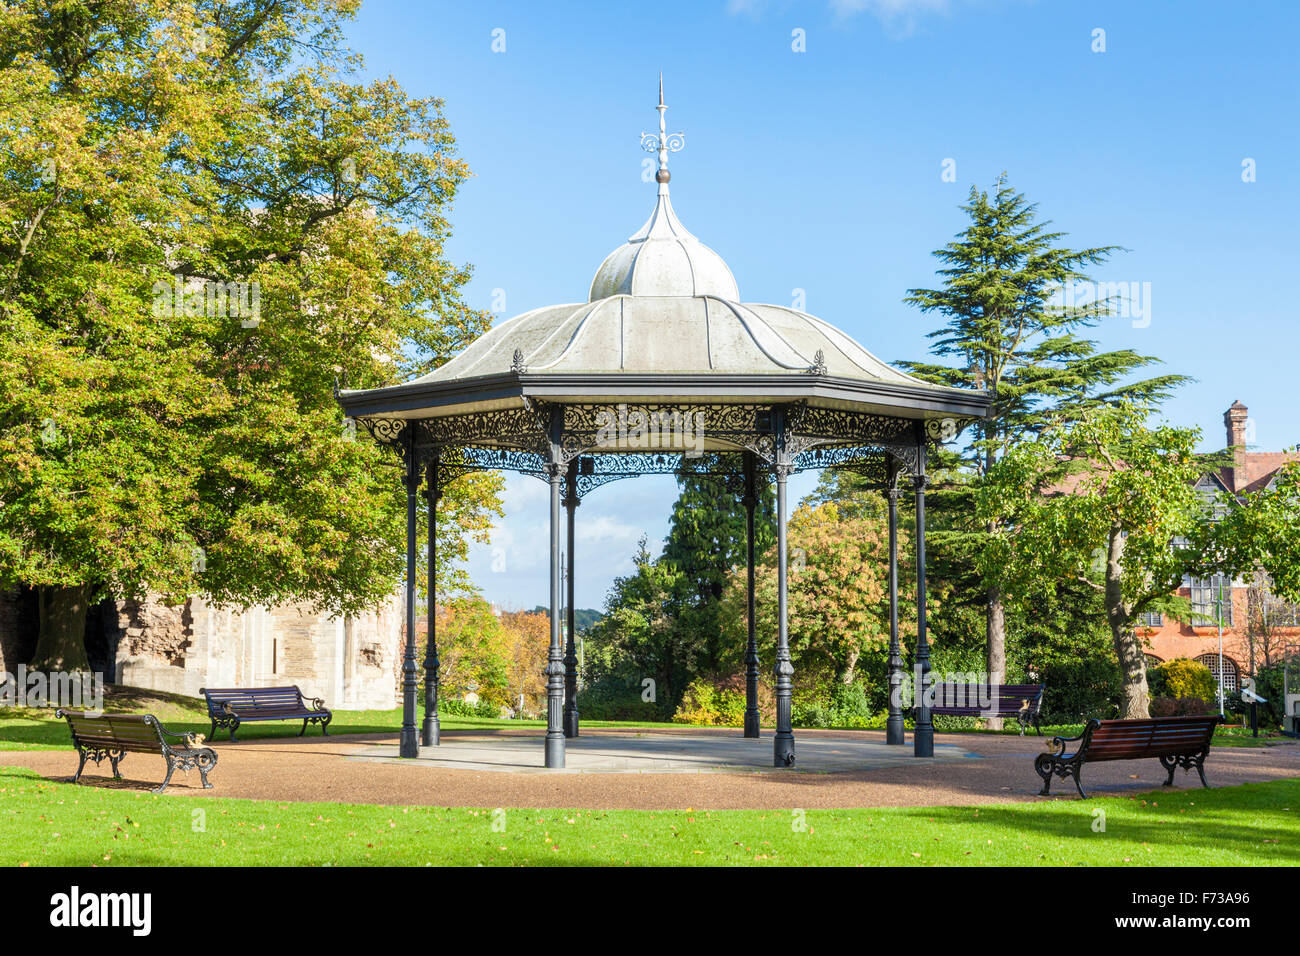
(430, 731)
(783, 742)
(894, 725)
(555, 658)
(751, 647)
(409, 745)
(923, 742)
(570, 646)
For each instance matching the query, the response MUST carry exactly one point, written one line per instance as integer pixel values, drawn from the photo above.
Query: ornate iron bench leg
(206, 760)
(212, 734)
(115, 760)
(1036, 727)
(305, 722)
(81, 765)
(1077, 785)
(1043, 766)
(171, 768)
(1200, 769)
(1170, 764)
(325, 726)
(234, 725)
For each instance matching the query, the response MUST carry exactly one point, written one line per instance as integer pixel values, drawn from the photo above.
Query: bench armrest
(170, 733)
(1057, 744)
(317, 703)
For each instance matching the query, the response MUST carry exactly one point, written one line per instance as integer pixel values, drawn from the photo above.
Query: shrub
(1077, 690)
(809, 714)
(615, 698)
(1182, 677)
(712, 705)
(455, 707)
(850, 706)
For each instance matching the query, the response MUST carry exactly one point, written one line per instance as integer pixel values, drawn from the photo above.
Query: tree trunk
(995, 645)
(62, 642)
(1134, 697)
(850, 669)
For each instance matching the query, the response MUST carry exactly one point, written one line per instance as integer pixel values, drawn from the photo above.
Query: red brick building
(1253, 621)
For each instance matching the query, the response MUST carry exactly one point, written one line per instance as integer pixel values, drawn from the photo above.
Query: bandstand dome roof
(663, 316)
(665, 302)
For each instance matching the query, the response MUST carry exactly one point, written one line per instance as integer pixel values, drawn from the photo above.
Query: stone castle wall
(351, 662)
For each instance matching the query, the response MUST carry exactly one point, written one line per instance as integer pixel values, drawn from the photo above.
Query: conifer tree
(1013, 325)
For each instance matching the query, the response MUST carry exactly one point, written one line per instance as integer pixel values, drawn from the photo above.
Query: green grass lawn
(44, 823)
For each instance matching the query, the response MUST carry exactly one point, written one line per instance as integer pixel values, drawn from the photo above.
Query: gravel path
(314, 768)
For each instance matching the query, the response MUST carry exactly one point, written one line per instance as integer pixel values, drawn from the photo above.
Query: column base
(430, 732)
(554, 752)
(409, 744)
(783, 749)
(571, 723)
(751, 724)
(923, 738)
(894, 732)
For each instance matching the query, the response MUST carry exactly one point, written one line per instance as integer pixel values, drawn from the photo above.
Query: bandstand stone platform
(624, 752)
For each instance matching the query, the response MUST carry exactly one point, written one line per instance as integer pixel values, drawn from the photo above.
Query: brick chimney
(1234, 420)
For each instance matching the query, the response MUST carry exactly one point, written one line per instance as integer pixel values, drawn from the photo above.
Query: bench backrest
(1009, 698)
(251, 698)
(1154, 737)
(136, 733)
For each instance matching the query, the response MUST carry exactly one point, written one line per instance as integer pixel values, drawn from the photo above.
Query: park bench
(1174, 741)
(97, 736)
(233, 706)
(1021, 701)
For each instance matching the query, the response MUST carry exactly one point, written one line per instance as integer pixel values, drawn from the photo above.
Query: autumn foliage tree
(205, 222)
(838, 593)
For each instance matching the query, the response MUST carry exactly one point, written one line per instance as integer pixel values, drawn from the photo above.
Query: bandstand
(663, 361)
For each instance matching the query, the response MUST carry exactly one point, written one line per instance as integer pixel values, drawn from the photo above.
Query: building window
(1205, 600)
(1153, 661)
(1281, 614)
(1230, 680)
(1152, 619)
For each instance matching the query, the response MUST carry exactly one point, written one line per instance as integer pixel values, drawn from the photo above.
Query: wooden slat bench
(1021, 701)
(1174, 741)
(97, 736)
(232, 706)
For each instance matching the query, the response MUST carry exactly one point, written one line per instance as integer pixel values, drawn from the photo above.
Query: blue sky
(822, 171)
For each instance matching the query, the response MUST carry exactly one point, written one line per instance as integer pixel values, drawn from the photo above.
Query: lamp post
(1218, 613)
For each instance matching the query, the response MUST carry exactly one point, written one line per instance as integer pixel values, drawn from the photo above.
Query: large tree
(1013, 326)
(1110, 504)
(639, 638)
(1263, 534)
(706, 539)
(204, 221)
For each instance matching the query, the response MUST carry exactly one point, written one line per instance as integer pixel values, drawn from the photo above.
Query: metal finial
(664, 143)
